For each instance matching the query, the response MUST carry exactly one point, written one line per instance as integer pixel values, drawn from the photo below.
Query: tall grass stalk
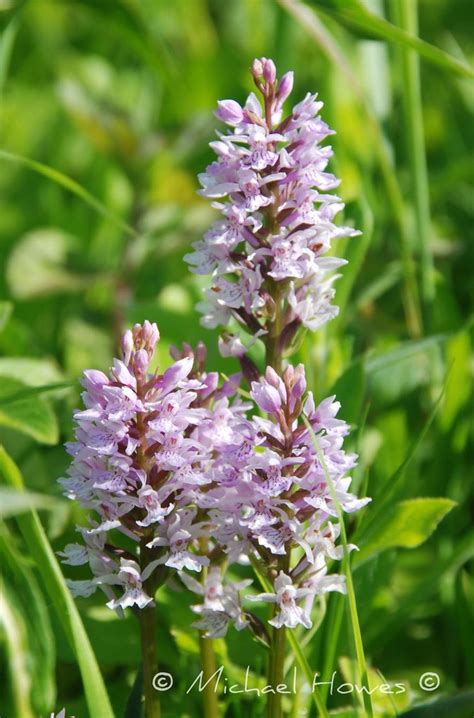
(61, 600)
(406, 15)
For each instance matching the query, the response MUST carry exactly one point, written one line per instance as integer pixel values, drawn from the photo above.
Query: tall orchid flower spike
(136, 464)
(269, 253)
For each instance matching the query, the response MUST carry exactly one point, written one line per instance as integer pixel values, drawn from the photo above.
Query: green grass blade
(354, 616)
(14, 634)
(7, 40)
(68, 183)
(30, 603)
(61, 599)
(356, 16)
(406, 15)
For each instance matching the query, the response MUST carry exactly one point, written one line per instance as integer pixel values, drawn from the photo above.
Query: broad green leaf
(37, 265)
(69, 184)
(60, 597)
(356, 16)
(187, 641)
(14, 502)
(28, 391)
(30, 414)
(30, 602)
(407, 525)
(31, 371)
(85, 345)
(457, 706)
(6, 309)
(437, 573)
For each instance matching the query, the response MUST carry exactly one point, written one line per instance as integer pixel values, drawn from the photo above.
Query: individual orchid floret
(131, 579)
(221, 606)
(286, 596)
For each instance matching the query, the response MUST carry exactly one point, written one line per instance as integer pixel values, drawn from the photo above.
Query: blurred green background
(105, 115)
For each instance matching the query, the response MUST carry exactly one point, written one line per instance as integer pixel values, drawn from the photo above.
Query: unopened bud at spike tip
(269, 71)
(257, 69)
(285, 87)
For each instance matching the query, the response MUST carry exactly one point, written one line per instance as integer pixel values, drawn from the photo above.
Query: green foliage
(13, 503)
(29, 608)
(407, 524)
(105, 114)
(30, 414)
(456, 707)
(42, 553)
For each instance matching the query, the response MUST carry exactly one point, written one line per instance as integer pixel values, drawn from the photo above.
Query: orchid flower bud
(257, 69)
(274, 380)
(127, 346)
(266, 396)
(229, 112)
(269, 71)
(285, 86)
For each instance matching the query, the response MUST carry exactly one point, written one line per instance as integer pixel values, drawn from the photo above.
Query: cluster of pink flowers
(268, 253)
(138, 465)
(168, 459)
(269, 499)
(196, 476)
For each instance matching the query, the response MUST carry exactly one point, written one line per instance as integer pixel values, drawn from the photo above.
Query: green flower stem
(208, 660)
(273, 355)
(276, 672)
(208, 665)
(147, 621)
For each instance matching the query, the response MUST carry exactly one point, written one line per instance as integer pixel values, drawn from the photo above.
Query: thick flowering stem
(276, 672)
(147, 620)
(274, 357)
(208, 659)
(208, 665)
